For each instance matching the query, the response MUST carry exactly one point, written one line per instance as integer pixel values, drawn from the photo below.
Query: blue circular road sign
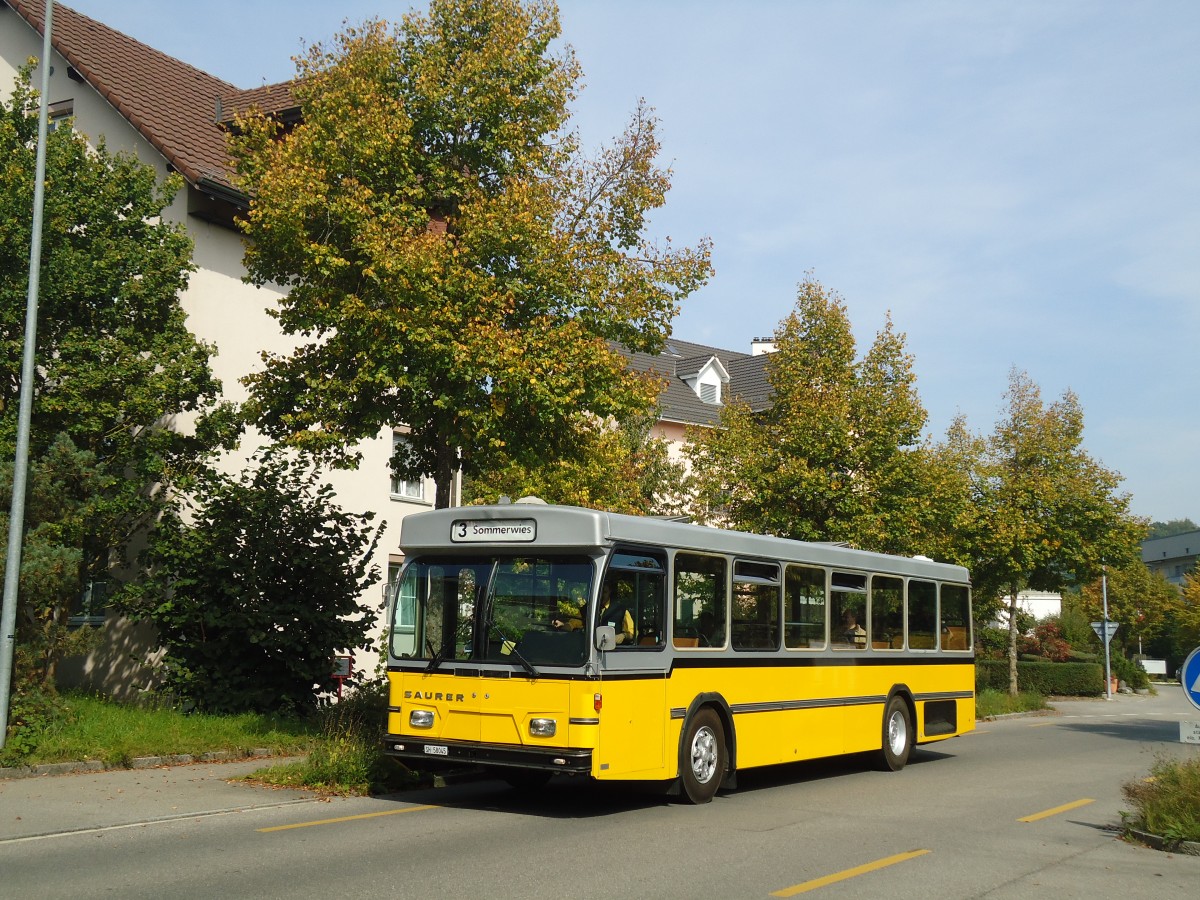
(1189, 677)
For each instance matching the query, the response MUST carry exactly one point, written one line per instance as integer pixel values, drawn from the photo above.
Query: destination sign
(492, 531)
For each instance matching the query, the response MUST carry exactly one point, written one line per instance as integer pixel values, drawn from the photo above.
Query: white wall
(221, 308)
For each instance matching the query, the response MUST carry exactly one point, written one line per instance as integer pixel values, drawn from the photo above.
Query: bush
(34, 712)
(1130, 672)
(254, 597)
(991, 702)
(991, 643)
(1063, 679)
(1167, 803)
(1046, 642)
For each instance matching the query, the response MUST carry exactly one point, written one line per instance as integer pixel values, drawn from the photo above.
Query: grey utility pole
(16, 518)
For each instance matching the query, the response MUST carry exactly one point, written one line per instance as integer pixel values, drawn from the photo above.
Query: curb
(1033, 713)
(93, 766)
(1157, 842)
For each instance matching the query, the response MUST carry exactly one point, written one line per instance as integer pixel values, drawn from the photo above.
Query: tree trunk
(443, 477)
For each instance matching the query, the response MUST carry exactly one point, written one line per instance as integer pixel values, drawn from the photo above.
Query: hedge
(1063, 679)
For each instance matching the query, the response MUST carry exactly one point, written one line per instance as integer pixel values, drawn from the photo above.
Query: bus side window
(922, 615)
(700, 589)
(887, 613)
(848, 610)
(638, 584)
(755, 611)
(956, 617)
(804, 608)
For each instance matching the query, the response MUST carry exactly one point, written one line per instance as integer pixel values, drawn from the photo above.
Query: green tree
(257, 591)
(64, 485)
(115, 362)
(619, 468)
(1141, 601)
(1171, 528)
(1047, 515)
(452, 260)
(834, 457)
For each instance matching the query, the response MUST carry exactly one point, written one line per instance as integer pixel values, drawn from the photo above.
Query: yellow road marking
(1040, 724)
(1058, 809)
(848, 873)
(374, 815)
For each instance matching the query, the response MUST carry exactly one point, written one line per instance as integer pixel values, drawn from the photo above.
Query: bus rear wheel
(897, 735)
(702, 760)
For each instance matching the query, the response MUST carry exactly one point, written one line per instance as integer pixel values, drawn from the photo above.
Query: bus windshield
(525, 610)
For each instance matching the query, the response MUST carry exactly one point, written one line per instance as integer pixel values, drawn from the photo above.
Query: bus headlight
(543, 727)
(420, 718)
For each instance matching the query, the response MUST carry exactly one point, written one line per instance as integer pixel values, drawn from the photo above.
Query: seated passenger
(616, 614)
(853, 633)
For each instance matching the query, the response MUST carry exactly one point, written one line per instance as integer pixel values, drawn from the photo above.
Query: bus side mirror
(605, 637)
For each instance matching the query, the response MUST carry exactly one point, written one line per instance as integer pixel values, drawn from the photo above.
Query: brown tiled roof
(174, 105)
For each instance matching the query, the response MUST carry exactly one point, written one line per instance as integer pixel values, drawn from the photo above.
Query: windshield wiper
(436, 659)
(512, 649)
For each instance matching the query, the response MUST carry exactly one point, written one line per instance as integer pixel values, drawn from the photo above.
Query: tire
(898, 735)
(702, 757)
(526, 779)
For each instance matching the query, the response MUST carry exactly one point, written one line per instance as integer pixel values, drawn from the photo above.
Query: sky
(1016, 182)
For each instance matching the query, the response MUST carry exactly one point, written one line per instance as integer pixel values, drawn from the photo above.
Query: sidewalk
(32, 807)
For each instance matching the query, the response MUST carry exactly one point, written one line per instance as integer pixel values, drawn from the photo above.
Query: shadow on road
(565, 797)
(1140, 730)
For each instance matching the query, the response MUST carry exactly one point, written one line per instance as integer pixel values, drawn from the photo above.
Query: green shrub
(1062, 679)
(255, 594)
(991, 702)
(991, 643)
(1129, 672)
(1167, 803)
(34, 712)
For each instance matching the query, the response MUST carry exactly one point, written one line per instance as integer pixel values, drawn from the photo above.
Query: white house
(169, 114)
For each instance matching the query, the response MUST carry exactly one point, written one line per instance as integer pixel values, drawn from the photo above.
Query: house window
(404, 488)
(58, 114)
(92, 606)
(710, 393)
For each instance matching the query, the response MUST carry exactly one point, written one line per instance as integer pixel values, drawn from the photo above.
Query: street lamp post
(16, 518)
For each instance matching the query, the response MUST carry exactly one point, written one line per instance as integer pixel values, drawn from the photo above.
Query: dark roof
(175, 106)
(680, 359)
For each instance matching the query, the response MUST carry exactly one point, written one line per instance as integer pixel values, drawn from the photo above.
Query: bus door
(633, 686)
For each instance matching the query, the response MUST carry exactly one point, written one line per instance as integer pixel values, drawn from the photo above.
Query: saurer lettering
(433, 695)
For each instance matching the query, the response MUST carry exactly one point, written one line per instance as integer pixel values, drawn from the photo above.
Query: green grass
(91, 728)
(348, 758)
(1167, 803)
(989, 702)
(341, 745)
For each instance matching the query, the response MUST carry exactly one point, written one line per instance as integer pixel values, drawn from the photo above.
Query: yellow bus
(535, 639)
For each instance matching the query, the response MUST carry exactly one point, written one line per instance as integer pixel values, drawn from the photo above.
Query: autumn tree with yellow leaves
(452, 259)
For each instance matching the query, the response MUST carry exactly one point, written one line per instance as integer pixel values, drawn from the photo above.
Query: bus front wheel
(702, 761)
(897, 735)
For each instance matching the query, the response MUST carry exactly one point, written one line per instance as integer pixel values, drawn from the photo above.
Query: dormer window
(705, 375)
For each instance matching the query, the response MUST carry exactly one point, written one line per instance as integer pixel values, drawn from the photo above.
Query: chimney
(761, 345)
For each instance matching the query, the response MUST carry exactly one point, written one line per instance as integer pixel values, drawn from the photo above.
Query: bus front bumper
(551, 759)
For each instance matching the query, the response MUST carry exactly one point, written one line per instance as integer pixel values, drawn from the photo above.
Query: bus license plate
(436, 750)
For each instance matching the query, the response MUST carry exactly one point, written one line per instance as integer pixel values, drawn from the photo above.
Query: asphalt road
(1023, 807)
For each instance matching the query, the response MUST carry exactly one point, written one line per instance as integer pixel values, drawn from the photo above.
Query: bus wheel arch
(899, 730)
(707, 749)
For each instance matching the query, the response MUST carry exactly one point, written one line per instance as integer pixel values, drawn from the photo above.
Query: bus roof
(517, 526)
